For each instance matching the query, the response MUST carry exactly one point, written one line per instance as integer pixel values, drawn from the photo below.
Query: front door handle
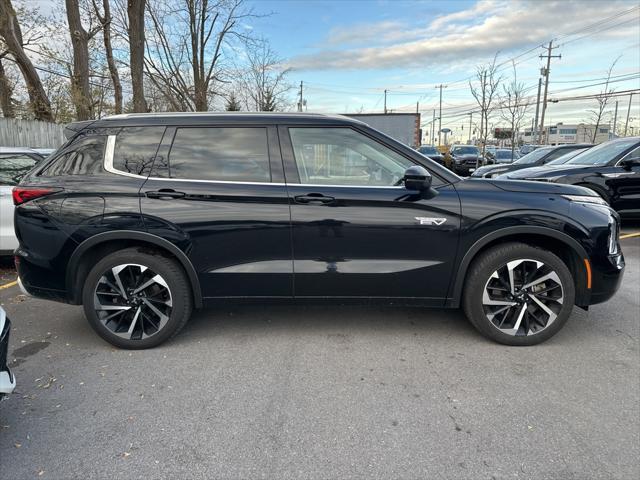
(165, 193)
(314, 198)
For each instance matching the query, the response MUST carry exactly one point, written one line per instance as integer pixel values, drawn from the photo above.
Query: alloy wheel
(523, 297)
(132, 301)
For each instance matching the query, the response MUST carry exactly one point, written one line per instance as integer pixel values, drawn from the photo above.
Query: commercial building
(562, 134)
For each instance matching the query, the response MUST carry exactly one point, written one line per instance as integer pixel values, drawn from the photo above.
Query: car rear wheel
(137, 299)
(517, 294)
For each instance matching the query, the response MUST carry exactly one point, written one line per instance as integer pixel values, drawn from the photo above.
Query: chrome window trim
(108, 159)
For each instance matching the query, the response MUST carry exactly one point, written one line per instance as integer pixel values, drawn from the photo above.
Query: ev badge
(430, 220)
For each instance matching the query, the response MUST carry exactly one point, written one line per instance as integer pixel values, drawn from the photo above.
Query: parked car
(464, 158)
(611, 169)
(525, 149)
(147, 217)
(7, 379)
(536, 158)
(44, 152)
(502, 156)
(14, 163)
(432, 152)
(525, 172)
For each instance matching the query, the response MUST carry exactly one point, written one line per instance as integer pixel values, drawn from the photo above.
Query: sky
(348, 52)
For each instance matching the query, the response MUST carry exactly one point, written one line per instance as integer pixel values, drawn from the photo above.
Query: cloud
(472, 34)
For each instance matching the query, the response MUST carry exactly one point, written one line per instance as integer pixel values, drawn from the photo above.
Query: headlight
(585, 199)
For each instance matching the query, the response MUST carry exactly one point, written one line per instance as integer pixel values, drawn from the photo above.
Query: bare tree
(602, 98)
(11, 34)
(135, 14)
(187, 47)
(105, 22)
(485, 90)
(514, 106)
(264, 81)
(6, 92)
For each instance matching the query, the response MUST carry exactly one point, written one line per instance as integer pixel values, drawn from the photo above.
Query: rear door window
(238, 154)
(136, 148)
(14, 166)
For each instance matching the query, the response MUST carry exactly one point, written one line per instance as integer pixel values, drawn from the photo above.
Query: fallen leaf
(17, 445)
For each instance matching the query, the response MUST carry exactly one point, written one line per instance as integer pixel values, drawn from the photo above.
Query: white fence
(30, 133)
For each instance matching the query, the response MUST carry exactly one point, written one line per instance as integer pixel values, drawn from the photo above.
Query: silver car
(14, 164)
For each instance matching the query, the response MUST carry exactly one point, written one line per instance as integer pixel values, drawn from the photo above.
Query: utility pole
(545, 72)
(534, 131)
(433, 126)
(483, 112)
(300, 102)
(615, 120)
(385, 102)
(440, 113)
(626, 123)
(417, 107)
(470, 121)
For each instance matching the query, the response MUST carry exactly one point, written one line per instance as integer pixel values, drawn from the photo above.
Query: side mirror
(417, 178)
(629, 163)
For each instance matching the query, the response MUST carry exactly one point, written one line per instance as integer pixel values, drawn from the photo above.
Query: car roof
(203, 118)
(17, 150)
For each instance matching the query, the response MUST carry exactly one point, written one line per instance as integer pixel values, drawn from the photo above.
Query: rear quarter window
(84, 156)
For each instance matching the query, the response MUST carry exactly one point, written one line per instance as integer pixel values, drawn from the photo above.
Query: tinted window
(428, 151)
(213, 153)
(342, 156)
(14, 166)
(567, 156)
(85, 156)
(136, 148)
(603, 153)
(559, 153)
(533, 157)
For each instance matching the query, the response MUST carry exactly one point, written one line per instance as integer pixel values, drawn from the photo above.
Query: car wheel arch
(571, 252)
(79, 264)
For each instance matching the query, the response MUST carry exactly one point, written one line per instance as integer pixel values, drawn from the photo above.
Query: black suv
(141, 218)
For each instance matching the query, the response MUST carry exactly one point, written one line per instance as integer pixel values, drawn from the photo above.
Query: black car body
(611, 169)
(464, 158)
(432, 152)
(539, 156)
(285, 206)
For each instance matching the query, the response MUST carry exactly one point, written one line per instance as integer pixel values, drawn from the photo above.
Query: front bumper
(607, 277)
(7, 379)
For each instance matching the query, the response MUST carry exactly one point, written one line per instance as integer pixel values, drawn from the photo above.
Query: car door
(623, 180)
(217, 191)
(355, 231)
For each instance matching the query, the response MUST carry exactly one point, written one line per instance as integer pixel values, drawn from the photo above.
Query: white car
(14, 164)
(7, 379)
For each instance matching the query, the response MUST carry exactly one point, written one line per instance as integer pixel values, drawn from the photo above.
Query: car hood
(537, 187)
(564, 171)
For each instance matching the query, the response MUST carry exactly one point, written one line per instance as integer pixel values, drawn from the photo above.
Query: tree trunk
(5, 94)
(135, 12)
(105, 21)
(80, 89)
(10, 32)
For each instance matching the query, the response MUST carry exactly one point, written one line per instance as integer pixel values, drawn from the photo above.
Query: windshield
(603, 153)
(567, 156)
(533, 157)
(428, 150)
(13, 167)
(505, 154)
(465, 150)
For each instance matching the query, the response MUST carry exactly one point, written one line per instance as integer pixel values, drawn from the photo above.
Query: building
(562, 134)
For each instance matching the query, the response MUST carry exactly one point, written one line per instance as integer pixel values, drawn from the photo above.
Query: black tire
(179, 298)
(499, 257)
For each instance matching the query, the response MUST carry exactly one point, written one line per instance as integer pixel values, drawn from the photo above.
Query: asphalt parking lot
(325, 392)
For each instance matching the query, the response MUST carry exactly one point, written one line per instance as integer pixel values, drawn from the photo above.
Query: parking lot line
(8, 285)
(629, 235)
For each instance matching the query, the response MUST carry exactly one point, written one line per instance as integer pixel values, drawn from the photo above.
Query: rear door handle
(165, 193)
(314, 198)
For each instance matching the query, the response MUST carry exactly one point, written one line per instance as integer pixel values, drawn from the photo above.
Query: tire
(156, 304)
(536, 311)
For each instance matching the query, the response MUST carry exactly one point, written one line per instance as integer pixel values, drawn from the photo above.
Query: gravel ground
(325, 392)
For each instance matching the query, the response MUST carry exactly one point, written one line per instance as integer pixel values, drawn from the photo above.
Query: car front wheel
(517, 294)
(135, 299)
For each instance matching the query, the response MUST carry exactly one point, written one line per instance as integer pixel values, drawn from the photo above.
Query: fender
(453, 299)
(132, 235)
